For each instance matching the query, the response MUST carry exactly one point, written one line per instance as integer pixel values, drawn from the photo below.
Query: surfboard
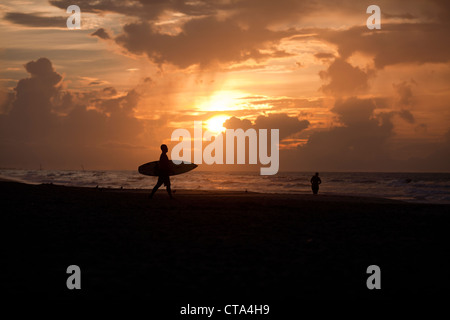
(152, 168)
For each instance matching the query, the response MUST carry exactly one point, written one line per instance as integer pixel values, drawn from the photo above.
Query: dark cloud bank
(54, 127)
(43, 124)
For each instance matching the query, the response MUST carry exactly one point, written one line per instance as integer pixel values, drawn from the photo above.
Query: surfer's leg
(155, 188)
(169, 191)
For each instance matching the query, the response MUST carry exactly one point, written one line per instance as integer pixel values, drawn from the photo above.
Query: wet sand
(218, 245)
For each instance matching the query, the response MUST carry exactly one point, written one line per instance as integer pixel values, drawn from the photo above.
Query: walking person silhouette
(163, 175)
(315, 181)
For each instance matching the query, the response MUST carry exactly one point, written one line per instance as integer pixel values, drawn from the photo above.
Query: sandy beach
(218, 245)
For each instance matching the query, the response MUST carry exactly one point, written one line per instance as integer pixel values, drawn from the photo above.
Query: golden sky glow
(344, 97)
(215, 124)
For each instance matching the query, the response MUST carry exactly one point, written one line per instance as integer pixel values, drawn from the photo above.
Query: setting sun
(215, 124)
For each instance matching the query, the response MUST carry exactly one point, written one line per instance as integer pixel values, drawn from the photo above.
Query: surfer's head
(164, 148)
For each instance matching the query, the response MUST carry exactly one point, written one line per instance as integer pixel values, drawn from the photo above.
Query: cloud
(324, 55)
(437, 160)
(206, 32)
(285, 103)
(203, 41)
(33, 94)
(6, 100)
(255, 12)
(359, 144)
(287, 125)
(345, 79)
(395, 43)
(101, 33)
(144, 9)
(406, 15)
(354, 111)
(407, 116)
(46, 124)
(35, 20)
(236, 123)
(405, 99)
(405, 96)
(362, 141)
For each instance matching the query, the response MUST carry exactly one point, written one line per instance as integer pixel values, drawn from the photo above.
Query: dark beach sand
(218, 245)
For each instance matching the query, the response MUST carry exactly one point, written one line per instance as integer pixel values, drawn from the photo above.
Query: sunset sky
(344, 97)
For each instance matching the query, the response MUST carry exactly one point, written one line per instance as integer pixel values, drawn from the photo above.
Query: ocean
(411, 187)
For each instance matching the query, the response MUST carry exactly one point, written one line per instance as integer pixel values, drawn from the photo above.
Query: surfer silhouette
(163, 172)
(315, 181)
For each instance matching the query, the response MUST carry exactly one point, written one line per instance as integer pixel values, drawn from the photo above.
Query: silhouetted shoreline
(219, 245)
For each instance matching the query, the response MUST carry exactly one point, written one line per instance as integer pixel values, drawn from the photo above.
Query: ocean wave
(364, 181)
(414, 187)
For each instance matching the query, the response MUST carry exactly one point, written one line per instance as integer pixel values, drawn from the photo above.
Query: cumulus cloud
(358, 144)
(362, 141)
(345, 79)
(286, 124)
(45, 124)
(203, 42)
(236, 123)
(397, 43)
(404, 92)
(234, 31)
(227, 32)
(33, 94)
(203, 32)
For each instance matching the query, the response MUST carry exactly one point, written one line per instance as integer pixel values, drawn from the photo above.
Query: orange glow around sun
(215, 124)
(222, 101)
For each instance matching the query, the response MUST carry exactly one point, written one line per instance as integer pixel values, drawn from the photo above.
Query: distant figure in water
(163, 177)
(315, 181)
